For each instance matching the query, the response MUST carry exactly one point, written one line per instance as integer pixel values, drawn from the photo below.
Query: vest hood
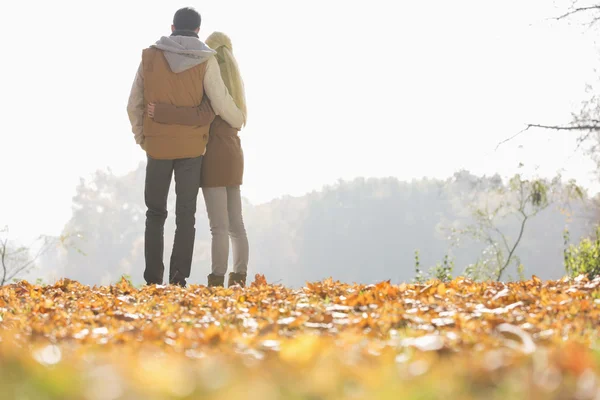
(183, 52)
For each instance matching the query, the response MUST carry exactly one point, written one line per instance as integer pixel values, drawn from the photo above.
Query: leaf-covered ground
(329, 340)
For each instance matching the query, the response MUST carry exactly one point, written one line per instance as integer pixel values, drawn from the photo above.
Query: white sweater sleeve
(136, 106)
(220, 99)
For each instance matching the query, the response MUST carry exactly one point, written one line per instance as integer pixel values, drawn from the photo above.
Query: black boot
(236, 279)
(177, 279)
(215, 280)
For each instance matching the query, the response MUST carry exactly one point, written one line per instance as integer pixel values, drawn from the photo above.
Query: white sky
(336, 89)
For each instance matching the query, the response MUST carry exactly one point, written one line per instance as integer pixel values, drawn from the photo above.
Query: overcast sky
(336, 89)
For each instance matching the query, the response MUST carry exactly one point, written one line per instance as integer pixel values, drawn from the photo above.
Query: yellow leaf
(441, 289)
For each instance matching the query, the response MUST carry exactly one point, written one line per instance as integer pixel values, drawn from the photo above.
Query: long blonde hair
(230, 71)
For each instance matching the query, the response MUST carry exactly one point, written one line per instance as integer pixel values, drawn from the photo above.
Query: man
(178, 70)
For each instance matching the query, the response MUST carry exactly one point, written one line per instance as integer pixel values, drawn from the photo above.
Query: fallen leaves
(325, 331)
(523, 339)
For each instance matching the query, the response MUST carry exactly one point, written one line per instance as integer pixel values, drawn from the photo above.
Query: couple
(186, 107)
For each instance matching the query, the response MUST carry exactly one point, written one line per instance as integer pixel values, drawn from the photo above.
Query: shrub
(583, 259)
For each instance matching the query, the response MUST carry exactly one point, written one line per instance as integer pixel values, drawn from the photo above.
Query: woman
(222, 167)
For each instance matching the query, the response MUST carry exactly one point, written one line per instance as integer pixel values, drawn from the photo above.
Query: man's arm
(136, 105)
(220, 99)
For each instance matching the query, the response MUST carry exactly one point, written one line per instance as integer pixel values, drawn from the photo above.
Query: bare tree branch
(512, 137)
(523, 200)
(577, 11)
(591, 125)
(20, 260)
(512, 251)
(27, 265)
(502, 236)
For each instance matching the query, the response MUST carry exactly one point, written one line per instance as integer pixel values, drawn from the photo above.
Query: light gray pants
(224, 207)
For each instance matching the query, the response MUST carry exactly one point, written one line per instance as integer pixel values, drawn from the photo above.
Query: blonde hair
(230, 71)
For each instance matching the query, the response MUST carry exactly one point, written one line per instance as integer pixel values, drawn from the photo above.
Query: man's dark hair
(187, 19)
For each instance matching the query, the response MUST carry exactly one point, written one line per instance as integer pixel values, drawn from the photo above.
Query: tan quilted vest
(161, 85)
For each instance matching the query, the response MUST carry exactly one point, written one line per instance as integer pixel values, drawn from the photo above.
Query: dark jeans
(187, 184)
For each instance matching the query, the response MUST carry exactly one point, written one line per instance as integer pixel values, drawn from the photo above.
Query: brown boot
(215, 280)
(236, 279)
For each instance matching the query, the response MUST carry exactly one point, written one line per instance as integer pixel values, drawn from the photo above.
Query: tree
(16, 261)
(522, 200)
(365, 230)
(586, 122)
